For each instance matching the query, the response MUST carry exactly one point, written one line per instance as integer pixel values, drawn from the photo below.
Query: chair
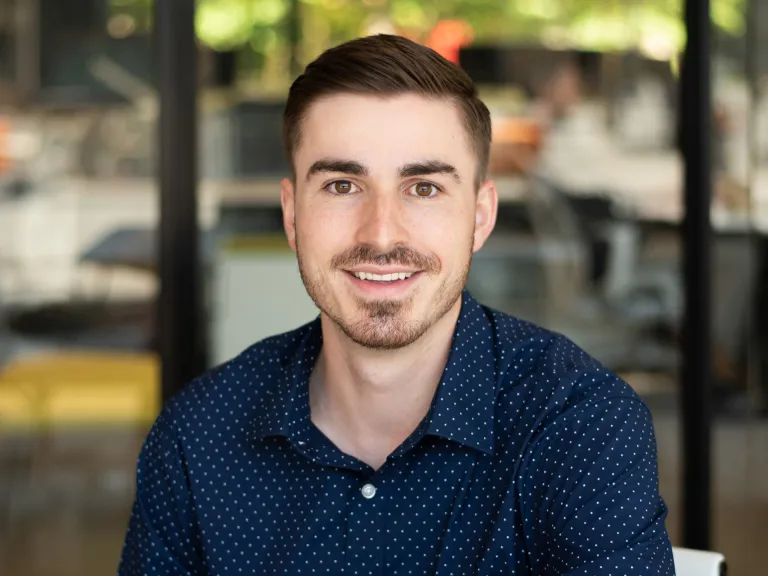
(612, 321)
(80, 419)
(698, 563)
(60, 390)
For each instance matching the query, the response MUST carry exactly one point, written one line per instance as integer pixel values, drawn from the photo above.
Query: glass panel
(740, 215)
(78, 378)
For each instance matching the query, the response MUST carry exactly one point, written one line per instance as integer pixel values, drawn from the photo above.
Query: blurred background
(586, 154)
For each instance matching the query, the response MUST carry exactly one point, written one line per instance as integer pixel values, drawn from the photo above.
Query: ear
(287, 196)
(486, 208)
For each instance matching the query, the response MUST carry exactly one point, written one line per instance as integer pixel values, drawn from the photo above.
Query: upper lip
(381, 271)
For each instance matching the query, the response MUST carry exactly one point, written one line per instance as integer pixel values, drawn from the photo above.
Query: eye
(341, 187)
(424, 190)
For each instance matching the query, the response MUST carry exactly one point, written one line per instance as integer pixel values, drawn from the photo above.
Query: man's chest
(446, 510)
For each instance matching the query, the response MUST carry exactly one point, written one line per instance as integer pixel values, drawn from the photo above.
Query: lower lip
(383, 289)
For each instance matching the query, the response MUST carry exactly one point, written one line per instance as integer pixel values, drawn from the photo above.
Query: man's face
(384, 215)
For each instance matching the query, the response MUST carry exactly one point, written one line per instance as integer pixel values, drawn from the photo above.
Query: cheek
(445, 232)
(322, 234)
(449, 242)
(455, 247)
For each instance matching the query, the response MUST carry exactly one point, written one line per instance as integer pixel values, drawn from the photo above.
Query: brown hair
(387, 65)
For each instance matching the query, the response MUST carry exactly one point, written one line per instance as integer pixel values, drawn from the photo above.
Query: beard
(384, 324)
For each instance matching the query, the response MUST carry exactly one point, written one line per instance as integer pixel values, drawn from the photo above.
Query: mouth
(389, 278)
(383, 285)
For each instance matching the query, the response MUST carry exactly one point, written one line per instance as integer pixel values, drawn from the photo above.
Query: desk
(134, 248)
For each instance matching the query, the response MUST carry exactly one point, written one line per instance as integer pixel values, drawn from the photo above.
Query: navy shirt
(533, 459)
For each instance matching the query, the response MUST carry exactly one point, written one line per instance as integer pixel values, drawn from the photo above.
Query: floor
(67, 511)
(740, 488)
(65, 500)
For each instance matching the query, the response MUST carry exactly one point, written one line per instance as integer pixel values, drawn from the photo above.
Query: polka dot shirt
(533, 459)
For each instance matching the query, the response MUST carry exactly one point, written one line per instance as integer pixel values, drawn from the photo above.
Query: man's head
(389, 144)
(388, 66)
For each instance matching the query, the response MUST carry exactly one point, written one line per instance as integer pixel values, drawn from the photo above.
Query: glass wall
(740, 219)
(585, 155)
(78, 378)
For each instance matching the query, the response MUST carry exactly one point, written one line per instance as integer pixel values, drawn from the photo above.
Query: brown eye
(424, 189)
(341, 187)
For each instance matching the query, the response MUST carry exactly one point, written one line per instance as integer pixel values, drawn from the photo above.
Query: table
(135, 248)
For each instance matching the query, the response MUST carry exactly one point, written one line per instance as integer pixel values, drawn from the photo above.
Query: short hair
(388, 65)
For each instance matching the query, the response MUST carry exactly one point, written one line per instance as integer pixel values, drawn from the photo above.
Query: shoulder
(232, 392)
(547, 371)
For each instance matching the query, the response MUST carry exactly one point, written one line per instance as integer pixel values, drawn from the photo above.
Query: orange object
(448, 37)
(518, 130)
(516, 145)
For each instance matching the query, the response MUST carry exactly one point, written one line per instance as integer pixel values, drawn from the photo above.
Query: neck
(369, 401)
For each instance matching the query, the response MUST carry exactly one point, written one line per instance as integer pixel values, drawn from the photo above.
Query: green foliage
(227, 24)
(596, 24)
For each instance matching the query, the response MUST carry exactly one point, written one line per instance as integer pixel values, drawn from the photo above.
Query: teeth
(383, 277)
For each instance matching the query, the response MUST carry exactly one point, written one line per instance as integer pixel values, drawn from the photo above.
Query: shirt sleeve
(162, 532)
(591, 489)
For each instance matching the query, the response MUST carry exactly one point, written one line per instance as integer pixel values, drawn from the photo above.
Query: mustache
(401, 255)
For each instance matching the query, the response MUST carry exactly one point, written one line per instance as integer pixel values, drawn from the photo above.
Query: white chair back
(698, 563)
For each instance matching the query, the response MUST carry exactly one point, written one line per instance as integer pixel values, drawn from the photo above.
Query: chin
(379, 334)
(390, 324)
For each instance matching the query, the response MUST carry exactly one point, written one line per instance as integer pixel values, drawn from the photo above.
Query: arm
(593, 484)
(162, 536)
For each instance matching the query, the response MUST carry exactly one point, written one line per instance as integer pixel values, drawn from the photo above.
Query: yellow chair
(80, 389)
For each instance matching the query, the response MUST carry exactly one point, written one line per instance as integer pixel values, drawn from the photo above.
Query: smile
(384, 283)
(393, 277)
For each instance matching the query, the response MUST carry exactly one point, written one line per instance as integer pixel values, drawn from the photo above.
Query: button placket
(364, 552)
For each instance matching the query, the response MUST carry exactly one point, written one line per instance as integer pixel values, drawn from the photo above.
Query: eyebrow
(409, 170)
(429, 167)
(337, 165)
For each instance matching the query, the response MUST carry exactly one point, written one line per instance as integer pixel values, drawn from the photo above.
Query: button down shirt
(533, 459)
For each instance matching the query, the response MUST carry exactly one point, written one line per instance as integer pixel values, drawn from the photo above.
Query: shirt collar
(285, 407)
(462, 410)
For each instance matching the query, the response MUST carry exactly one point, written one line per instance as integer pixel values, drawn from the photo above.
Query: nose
(382, 221)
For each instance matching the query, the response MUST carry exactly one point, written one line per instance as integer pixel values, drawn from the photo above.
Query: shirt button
(368, 491)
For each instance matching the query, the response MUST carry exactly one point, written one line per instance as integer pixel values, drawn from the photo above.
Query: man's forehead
(377, 103)
(385, 132)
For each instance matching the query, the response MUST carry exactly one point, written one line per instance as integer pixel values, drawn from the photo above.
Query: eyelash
(437, 188)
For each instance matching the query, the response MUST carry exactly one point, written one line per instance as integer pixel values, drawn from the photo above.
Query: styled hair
(387, 65)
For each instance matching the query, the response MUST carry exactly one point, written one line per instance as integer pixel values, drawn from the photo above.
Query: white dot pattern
(533, 459)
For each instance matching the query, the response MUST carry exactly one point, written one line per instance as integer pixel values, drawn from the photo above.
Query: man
(408, 430)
